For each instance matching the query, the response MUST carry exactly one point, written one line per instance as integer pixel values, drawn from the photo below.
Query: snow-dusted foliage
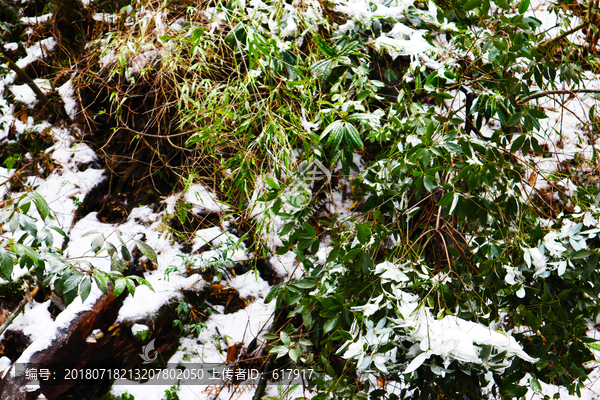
(423, 172)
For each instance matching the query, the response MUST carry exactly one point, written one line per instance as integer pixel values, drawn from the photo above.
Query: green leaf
(363, 233)
(142, 281)
(428, 183)
(323, 46)
(285, 338)
(593, 346)
(305, 283)
(97, 243)
(73, 281)
(120, 285)
(517, 144)
(116, 264)
(352, 137)
(523, 6)
(280, 350)
(471, 4)
(535, 384)
(60, 231)
(270, 336)
(446, 199)
(6, 264)
(130, 286)
(41, 205)
(21, 250)
(502, 4)
(272, 183)
(101, 280)
(147, 251)
(85, 288)
(514, 119)
(125, 253)
(274, 292)
(330, 324)
(293, 354)
(334, 130)
(13, 223)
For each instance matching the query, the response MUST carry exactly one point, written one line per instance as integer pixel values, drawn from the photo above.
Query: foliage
(171, 393)
(30, 245)
(469, 258)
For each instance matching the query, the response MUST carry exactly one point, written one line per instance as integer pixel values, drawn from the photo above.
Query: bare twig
(20, 308)
(560, 91)
(22, 75)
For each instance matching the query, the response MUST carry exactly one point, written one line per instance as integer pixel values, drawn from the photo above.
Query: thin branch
(561, 91)
(22, 75)
(548, 42)
(28, 297)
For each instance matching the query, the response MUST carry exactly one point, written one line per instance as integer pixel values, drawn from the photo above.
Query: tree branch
(20, 307)
(22, 76)
(561, 91)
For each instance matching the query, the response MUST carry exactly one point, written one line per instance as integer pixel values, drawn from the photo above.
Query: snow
(34, 320)
(286, 265)
(24, 93)
(67, 93)
(402, 41)
(139, 328)
(5, 364)
(250, 285)
(35, 20)
(48, 333)
(37, 51)
(203, 199)
(105, 17)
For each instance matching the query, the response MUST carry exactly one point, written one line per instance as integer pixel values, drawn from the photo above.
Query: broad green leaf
(147, 251)
(334, 129)
(305, 283)
(22, 250)
(272, 183)
(120, 285)
(280, 350)
(523, 6)
(274, 292)
(41, 205)
(428, 183)
(330, 324)
(101, 280)
(517, 144)
(514, 119)
(471, 4)
(125, 253)
(502, 4)
(142, 281)
(13, 223)
(130, 286)
(116, 264)
(6, 264)
(73, 281)
(593, 346)
(285, 338)
(60, 231)
(352, 136)
(363, 233)
(85, 288)
(97, 243)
